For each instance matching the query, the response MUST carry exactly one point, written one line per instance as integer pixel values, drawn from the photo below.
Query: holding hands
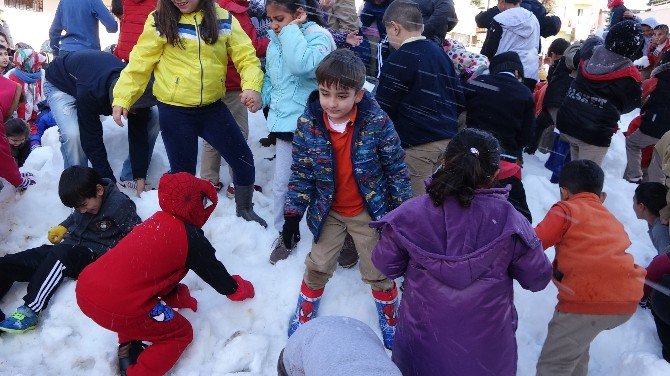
(251, 99)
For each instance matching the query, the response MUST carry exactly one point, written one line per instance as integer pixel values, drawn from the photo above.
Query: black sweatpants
(663, 330)
(43, 268)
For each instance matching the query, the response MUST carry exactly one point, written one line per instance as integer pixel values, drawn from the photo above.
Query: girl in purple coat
(459, 247)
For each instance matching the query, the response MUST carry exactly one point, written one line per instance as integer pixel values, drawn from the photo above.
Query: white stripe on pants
(283, 162)
(54, 277)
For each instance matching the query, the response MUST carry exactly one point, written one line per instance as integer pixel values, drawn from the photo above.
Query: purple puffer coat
(457, 313)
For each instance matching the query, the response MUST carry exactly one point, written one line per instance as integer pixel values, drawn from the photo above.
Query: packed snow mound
(232, 338)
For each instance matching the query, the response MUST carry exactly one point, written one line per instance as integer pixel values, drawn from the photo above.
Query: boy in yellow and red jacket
(599, 285)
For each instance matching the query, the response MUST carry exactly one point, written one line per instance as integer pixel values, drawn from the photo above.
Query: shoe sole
(16, 331)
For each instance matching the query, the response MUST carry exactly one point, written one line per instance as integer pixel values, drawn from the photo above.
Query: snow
(232, 338)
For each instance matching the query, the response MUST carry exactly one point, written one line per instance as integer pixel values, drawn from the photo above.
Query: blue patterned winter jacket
(378, 164)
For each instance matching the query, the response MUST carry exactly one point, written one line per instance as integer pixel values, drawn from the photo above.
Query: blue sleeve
(266, 90)
(55, 32)
(367, 17)
(303, 56)
(101, 12)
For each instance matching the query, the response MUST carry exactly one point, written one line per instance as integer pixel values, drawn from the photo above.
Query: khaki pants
(421, 161)
(655, 171)
(210, 159)
(581, 150)
(566, 349)
(321, 262)
(634, 145)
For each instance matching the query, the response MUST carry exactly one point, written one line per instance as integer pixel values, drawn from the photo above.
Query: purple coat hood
(457, 315)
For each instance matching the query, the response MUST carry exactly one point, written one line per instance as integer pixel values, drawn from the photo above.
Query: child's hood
(28, 60)
(607, 65)
(519, 21)
(183, 195)
(458, 245)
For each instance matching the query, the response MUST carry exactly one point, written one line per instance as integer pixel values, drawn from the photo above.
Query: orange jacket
(592, 270)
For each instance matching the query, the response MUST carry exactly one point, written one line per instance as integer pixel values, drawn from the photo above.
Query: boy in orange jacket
(599, 285)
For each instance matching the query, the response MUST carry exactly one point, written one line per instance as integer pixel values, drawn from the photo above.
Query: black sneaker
(128, 354)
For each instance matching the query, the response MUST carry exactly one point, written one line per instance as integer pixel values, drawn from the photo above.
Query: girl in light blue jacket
(298, 43)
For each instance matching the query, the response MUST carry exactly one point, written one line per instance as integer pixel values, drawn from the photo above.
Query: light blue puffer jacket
(291, 61)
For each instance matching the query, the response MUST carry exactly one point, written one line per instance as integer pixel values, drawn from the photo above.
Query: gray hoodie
(336, 346)
(102, 231)
(521, 34)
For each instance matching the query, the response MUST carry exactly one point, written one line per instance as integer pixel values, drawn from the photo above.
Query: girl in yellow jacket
(186, 45)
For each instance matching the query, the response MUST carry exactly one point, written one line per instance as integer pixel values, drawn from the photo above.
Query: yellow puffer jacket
(191, 76)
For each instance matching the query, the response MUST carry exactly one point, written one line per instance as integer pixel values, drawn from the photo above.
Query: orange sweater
(592, 270)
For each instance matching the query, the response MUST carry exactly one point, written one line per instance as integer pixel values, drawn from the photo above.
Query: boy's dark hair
(4, 36)
(652, 196)
(405, 13)
(311, 7)
(582, 175)
(515, 2)
(4, 48)
(78, 183)
(167, 15)
(663, 28)
(343, 69)
(469, 163)
(558, 46)
(17, 127)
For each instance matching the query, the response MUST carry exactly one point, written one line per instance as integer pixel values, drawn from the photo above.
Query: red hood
(630, 71)
(234, 6)
(187, 197)
(613, 3)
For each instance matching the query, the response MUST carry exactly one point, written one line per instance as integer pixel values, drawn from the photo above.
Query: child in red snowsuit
(134, 287)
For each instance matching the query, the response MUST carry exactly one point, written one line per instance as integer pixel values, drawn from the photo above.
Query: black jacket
(420, 91)
(500, 104)
(656, 111)
(606, 86)
(439, 17)
(21, 153)
(558, 83)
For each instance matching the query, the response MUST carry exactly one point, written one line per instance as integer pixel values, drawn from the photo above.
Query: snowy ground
(246, 338)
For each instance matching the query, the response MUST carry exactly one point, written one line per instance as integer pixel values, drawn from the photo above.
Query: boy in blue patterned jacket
(348, 169)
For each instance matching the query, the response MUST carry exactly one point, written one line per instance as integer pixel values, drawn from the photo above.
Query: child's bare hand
(251, 99)
(117, 112)
(354, 39)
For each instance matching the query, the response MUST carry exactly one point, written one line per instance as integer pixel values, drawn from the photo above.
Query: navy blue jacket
(420, 91)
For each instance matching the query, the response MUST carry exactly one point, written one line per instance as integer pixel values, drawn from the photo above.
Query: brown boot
(349, 255)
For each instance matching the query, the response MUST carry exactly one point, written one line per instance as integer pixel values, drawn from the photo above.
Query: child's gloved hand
(56, 234)
(27, 179)
(245, 290)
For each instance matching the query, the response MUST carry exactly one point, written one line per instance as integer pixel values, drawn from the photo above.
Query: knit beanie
(626, 39)
(572, 55)
(506, 62)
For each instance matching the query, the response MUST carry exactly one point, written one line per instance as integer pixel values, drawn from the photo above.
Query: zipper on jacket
(197, 33)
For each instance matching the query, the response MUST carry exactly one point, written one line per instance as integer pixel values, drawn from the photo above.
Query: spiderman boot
(308, 305)
(387, 310)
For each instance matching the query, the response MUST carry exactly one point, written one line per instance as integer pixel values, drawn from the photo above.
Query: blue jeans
(181, 127)
(64, 110)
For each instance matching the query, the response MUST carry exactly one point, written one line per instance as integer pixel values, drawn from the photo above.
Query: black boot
(349, 255)
(244, 195)
(128, 354)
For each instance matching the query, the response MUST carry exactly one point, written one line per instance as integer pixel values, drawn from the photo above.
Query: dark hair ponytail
(469, 163)
(311, 7)
(167, 22)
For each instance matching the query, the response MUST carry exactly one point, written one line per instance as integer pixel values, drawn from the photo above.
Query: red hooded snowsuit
(120, 289)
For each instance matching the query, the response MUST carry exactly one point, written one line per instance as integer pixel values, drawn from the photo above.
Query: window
(580, 12)
(34, 5)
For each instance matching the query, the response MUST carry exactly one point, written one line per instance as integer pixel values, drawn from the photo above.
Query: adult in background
(439, 17)
(79, 20)
(78, 89)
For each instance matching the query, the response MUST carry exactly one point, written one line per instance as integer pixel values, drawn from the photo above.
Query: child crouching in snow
(459, 247)
(102, 216)
(140, 278)
(18, 133)
(599, 285)
(348, 169)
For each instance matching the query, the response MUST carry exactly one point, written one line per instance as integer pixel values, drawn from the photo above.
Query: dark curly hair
(167, 17)
(469, 163)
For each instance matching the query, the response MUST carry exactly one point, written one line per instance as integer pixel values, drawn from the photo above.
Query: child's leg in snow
(180, 136)
(20, 267)
(219, 129)
(321, 261)
(169, 340)
(181, 297)
(63, 260)
(365, 239)
(283, 162)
